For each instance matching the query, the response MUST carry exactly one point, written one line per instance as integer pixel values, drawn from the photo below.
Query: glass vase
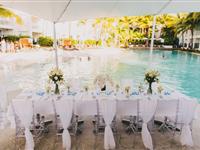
(57, 91)
(149, 91)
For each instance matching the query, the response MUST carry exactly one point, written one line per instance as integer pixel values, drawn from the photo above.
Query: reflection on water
(179, 70)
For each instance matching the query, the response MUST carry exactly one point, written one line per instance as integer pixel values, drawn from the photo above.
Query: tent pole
(152, 36)
(55, 44)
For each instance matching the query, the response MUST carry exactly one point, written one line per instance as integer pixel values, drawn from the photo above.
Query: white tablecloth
(85, 104)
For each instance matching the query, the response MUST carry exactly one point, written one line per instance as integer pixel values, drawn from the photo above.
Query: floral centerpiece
(150, 77)
(68, 86)
(101, 80)
(140, 88)
(160, 89)
(117, 87)
(127, 90)
(86, 88)
(56, 76)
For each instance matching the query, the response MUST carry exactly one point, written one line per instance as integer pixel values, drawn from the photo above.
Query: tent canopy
(70, 10)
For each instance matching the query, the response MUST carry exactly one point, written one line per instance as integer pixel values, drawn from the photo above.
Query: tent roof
(69, 10)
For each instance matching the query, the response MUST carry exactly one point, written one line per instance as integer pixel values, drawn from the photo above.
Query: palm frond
(6, 13)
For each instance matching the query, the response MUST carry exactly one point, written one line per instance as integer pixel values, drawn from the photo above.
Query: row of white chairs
(178, 111)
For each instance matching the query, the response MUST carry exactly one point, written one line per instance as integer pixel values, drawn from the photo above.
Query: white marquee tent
(69, 10)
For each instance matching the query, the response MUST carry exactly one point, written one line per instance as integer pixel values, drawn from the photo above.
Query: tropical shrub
(156, 42)
(24, 36)
(99, 42)
(45, 41)
(169, 36)
(12, 38)
(90, 42)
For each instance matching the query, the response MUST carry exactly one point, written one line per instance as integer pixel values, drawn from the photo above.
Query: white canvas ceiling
(87, 9)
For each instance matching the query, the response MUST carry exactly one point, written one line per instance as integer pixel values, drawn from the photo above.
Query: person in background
(12, 47)
(7, 46)
(3, 45)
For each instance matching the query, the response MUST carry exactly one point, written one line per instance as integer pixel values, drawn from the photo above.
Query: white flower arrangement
(117, 87)
(86, 88)
(101, 80)
(140, 88)
(55, 76)
(152, 76)
(127, 89)
(48, 88)
(160, 89)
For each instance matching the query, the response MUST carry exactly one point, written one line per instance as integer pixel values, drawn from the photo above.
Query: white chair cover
(43, 106)
(108, 110)
(24, 110)
(168, 108)
(127, 107)
(86, 96)
(189, 107)
(148, 108)
(86, 108)
(64, 108)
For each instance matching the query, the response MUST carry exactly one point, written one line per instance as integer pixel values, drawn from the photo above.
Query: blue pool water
(178, 70)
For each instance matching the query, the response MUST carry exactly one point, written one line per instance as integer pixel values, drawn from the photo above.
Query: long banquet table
(85, 104)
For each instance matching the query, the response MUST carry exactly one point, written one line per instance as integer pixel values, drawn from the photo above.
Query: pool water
(178, 70)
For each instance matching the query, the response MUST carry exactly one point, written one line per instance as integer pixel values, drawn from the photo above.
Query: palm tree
(107, 30)
(145, 23)
(180, 27)
(6, 13)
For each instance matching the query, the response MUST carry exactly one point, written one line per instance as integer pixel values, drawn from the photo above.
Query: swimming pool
(179, 70)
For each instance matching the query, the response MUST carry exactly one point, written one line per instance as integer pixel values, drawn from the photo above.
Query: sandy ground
(87, 140)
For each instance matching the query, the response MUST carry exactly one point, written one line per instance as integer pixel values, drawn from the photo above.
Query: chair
(43, 112)
(86, 107)
(64, 115)
(129, 108)
(24, 120)
(169, 111)
(84, 96)
(129, 111)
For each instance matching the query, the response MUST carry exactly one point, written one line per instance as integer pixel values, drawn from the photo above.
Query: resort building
(32, 26)
(185, 39)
